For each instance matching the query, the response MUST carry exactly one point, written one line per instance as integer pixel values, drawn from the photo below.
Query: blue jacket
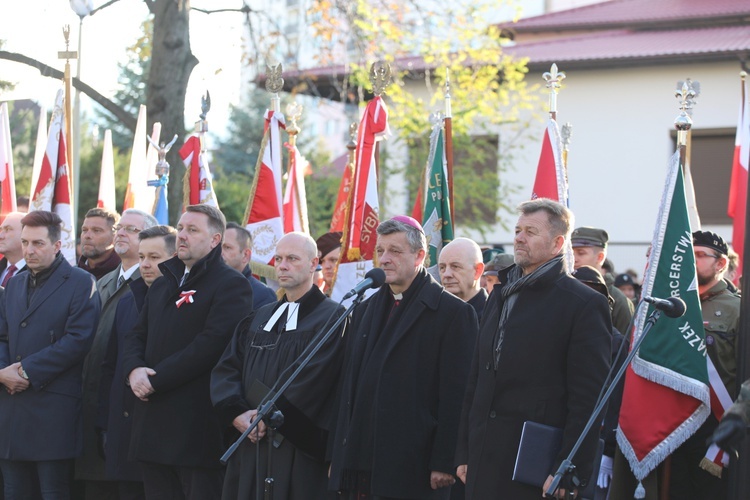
(50, 337)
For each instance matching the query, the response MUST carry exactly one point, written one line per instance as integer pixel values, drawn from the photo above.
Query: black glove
(101, 442)
(729, 433)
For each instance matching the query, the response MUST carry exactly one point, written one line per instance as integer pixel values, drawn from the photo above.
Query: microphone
(374, 278)
(674, 307)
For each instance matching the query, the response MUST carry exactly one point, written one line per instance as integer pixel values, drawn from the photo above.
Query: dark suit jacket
(554, 359)
(116, 399)
(90, 465)
(419, 393)
(50, 338)
(178, 425)
(262, 294)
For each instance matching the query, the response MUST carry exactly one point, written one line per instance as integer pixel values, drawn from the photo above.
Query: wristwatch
(22, 373)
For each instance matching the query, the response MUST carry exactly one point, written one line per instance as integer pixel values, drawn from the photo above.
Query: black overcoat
(50, 337)
(554, 359)
(419, 392)
(178, 426)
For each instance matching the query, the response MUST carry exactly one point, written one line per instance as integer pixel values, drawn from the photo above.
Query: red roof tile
(621, 13)
(639, 46)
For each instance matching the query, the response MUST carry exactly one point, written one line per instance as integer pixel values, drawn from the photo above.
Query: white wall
(622, 120)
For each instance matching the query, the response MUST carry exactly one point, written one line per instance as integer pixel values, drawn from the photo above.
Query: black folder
(537, 450)
(255, 395)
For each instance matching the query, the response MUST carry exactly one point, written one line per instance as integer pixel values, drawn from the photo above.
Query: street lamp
(82, 8)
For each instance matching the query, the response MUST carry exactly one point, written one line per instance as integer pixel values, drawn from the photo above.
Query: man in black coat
(184, 327)
(406, 364)
(48, 317)
(542, 356)
(116, 400)
(265, 349)
(460, 266)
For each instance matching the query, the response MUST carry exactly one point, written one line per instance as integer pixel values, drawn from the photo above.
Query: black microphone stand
(268, 411)
(567, 467)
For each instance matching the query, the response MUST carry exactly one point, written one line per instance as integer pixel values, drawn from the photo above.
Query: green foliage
(424, 42)
(91, 165)
(321, 190)
(238, 153)
(24, 122)
(232, 190)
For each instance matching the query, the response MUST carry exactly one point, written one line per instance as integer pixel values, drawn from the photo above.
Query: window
(711, 155)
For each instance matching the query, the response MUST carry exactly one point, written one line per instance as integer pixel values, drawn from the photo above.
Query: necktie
(184, 278)
(120, 281)
(11, 271)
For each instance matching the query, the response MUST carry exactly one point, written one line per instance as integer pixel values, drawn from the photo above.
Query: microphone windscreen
(377, 275)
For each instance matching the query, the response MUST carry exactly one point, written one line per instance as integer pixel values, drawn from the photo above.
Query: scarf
(516, 283)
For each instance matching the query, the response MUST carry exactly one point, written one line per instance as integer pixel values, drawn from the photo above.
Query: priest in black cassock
(263, 349)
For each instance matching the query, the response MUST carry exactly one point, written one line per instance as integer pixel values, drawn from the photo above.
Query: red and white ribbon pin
(186, 296)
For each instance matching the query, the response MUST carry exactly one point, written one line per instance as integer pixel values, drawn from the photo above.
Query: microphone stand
(268, 411)
(567, 467)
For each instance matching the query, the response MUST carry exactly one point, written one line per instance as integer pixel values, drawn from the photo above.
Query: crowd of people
(130, 375)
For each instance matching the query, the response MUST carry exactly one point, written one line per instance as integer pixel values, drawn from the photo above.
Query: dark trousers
(166, 482)
(688, 481)
(25, 480)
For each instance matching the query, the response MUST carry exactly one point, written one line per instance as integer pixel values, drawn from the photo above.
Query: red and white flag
(295, 197)
(138, 194)
(551, 179)
(360, 237)
(198, 185)
(7, 179)
(41, 146)
(738, 185)
(264, 213)
(339, 210)
(52, 191)
(107, 177)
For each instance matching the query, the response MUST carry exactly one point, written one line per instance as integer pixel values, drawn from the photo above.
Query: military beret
(500, 262)
(594, 279)
(328, 242)
(624, 279)
(710, 240)
(589, 237)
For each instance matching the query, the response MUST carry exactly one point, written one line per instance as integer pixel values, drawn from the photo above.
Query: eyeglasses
(703, 255)
(267, 340)
(128, 229)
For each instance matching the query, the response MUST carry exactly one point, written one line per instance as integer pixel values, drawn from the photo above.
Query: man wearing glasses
(112, 287)
(690, 476)
(263, 351)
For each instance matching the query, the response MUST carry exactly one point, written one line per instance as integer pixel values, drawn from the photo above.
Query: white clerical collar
(291, 319)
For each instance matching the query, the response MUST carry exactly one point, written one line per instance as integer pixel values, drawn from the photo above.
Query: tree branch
(127, 120)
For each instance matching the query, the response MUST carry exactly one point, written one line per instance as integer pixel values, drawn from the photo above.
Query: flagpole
(201, 126)
(294, 112)
(449, 143)
(683, 123)
(554, 80)
(566, 133)
(68, 54)
(380, 78)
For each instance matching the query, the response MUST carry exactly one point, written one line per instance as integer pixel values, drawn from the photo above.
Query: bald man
(460, 265)
(265, 344)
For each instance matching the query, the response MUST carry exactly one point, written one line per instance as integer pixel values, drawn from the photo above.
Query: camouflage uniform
(721, 320)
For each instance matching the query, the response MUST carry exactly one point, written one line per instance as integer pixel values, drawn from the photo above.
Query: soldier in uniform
(590, 249)
(692, 474)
